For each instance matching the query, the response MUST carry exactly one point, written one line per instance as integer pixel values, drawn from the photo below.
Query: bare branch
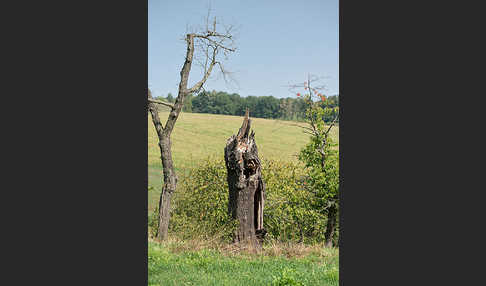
(223, 71)
(154, 111)
(210, 43)
(198, 85)
(310, 133)
(332, 124)
(217, 44)
(307, 86)
(160, 102)
(308, 129)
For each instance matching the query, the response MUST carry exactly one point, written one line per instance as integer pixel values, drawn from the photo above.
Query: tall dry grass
(270, 249)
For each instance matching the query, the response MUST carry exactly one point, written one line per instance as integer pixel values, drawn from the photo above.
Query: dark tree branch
(154, 111)
(216, 44)
(207, 42)
(160, 102)
(332, 124)
(198, 85)
(186, 69)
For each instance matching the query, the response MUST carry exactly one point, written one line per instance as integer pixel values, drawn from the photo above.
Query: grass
(205, 266)
(197, 136)
(207, 262)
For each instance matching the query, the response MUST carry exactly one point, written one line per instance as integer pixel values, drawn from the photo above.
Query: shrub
(288, 214)
(286, 278)
(153, 223)
(200, 205)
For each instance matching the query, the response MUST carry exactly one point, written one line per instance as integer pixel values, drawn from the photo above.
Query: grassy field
(319, 266)
(197, 136)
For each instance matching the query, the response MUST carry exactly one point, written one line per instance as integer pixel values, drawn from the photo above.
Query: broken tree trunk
(246, 186)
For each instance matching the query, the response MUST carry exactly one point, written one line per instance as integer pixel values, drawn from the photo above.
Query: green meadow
(201, 262)
(167, 266)
(197, 136)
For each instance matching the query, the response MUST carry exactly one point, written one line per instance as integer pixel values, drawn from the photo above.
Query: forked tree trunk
(246, 186)
(331, 225)
(212, 41)
(170, 177)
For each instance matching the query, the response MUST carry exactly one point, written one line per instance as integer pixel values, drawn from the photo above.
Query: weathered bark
(331, 225)
(215, 41)
(246, 186)
(170, 184)
(170, 177)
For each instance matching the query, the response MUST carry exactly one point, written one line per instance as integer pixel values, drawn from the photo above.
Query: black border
(407, 72)
(77, 80)
(77, 77)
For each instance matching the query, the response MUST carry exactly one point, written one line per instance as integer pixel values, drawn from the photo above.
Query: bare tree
(212, 44)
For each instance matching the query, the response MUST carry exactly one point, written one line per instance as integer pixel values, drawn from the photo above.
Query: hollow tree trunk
(331, 225)
(246, 186)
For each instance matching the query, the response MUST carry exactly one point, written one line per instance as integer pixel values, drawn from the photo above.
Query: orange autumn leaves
(321, 96)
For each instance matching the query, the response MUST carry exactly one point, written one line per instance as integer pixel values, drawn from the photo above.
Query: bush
(153, 223)
(288, 214)
(286, 278)
(200, 205)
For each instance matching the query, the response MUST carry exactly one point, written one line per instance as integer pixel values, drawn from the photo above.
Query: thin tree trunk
(331, 225)
(211, 39)
(170, 184)
(246, 186)
(170, 177)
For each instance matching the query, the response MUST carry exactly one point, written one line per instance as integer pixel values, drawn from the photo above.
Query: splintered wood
(246, 186)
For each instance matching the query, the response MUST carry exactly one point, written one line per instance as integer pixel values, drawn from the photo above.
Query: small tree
(319, 157)
(211, 44)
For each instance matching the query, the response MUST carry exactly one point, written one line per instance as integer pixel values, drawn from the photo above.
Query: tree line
(220, 102)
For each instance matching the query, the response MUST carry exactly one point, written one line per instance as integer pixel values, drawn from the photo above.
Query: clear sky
(278, 43)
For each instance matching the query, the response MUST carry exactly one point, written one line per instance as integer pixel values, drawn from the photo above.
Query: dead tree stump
(246, 186)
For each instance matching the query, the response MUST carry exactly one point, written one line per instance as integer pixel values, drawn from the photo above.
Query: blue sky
(279, 42)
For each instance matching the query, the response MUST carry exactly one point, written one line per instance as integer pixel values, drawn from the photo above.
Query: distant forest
(220, 102)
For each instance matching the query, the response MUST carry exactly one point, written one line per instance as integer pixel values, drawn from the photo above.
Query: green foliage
(260, 106)
(200, 206)
(288, 214)
(286, 278)
(320, 159)
(170, 98)
(153, 222)
(323, 183)
(200, 135)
